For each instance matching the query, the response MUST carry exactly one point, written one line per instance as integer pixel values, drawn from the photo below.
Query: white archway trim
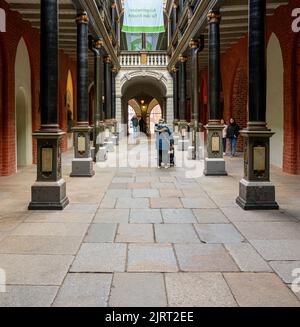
(23, 86)
(156, 75)
(152, 105)
(133, 103)
(275, 100)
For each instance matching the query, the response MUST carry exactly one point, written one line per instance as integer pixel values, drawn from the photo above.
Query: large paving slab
(145, 193)
(218, 233)
(84, 290)
(210, 216)
(198, 290)
(178, 216)
(288, 271)
(198, 203)
(260, 290)
(112, 216)
(145, 216)
(40, 270)
(135, 233)
(137, 203)
(100, 257)
(138, 290)
(165, 203)
(151, 258)
(204, 258)
(247, 258)
(101, 233)
(60, 217)
(40, 245)
(51, 229)
(269, 230)
(278, 249)
(28, 296)
(175, 233)
(237, 214)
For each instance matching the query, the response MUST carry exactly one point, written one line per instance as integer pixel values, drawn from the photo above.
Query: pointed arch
(239, 101)
(275, 99)
(23, 106)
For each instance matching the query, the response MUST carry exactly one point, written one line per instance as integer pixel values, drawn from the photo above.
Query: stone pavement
(148, 237)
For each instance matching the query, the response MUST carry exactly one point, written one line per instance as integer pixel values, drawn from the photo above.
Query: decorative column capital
(98, 44)
(174, 69)
(214, 17)
(194, 44)
(82, 18)
(108, 60)
(114, 69)
(182, 58)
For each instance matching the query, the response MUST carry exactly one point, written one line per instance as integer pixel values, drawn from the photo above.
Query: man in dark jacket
(232, 134)
(135, 125)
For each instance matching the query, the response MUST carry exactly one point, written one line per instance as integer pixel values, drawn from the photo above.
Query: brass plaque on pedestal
(81, 144)
(259, 158)
(47, 159)
(215, 144)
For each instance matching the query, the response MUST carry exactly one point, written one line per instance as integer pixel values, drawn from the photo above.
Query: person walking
(232, 134)
(164, 145)
(224, 136)
(135, 125)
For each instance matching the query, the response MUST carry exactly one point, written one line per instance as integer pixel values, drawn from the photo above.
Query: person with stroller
(164, 145)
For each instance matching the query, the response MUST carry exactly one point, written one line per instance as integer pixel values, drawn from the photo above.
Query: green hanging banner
(143, 16)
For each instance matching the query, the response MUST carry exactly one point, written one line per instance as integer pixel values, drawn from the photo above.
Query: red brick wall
(16, 29)
(234, 79)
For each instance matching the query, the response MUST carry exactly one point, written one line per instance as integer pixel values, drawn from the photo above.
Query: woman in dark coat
(232, 134)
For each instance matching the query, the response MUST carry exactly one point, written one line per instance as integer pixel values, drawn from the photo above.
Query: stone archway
(23, 110)
(1, 108)
(143, 87)
(239, 102)
(70, 109)
(275, 100)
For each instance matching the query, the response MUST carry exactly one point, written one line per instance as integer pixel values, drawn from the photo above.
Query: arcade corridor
(95, 213)
(148, 237)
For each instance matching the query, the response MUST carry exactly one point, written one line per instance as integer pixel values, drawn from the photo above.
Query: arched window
(2, 20)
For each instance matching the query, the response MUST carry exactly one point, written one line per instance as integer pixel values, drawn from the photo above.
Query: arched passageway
(143, 94)
(23, 120)
(275, 100)
(70, 109)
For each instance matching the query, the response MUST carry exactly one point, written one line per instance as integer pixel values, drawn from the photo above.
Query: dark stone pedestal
(214, 163)
(49, 196)
(82, 164)
(49, 191)
(256, 190)
(82, 167)
(257, 196)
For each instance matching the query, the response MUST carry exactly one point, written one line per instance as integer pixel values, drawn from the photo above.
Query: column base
(183, 145)
(82, 167)
(257, 196)
(190, 155)
(176, 139)
(48, 196)
(115, 139)
(110, 146)
(102, 154)
(215, 167)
